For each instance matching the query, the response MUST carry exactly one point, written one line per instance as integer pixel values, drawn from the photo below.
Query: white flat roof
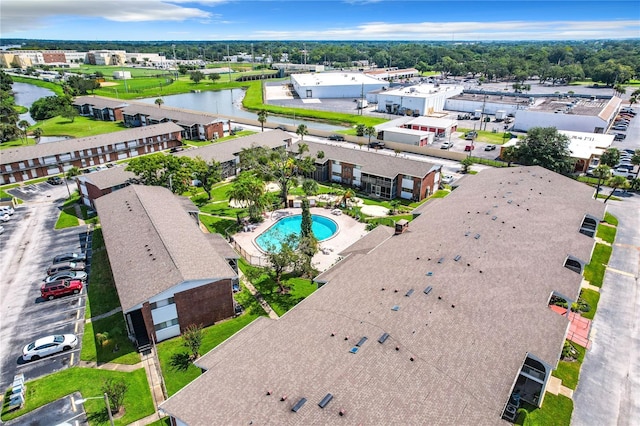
(424, 90)
(335, 79)
(433, 122)
(404, 131)
(584, 145)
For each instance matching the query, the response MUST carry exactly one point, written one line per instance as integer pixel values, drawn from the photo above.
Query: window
(161, 303)
(574, 264)
(589, 225)
(166, 324)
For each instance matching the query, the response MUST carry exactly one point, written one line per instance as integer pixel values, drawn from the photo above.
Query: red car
(54, 289)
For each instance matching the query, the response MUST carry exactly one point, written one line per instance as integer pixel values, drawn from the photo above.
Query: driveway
(608, 392)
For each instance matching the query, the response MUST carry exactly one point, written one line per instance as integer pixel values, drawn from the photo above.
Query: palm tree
(466, 163)
(159, 102)
(262, 118)
(249, 191)
(370, 131)
(635, 160)
(302, 131)
(602, 172)
(23, 125)
(616, 182)
(37, 134)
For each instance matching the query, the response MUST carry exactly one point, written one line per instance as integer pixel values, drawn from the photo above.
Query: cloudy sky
(318, 20)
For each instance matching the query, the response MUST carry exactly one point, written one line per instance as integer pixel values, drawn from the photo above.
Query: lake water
(26, 94)
(229, 102)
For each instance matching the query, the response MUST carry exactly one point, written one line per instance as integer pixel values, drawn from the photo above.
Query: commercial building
(46, 159)
(168, 274)
(445, 322)
(420, 99)
(335, 85)
(392, 74)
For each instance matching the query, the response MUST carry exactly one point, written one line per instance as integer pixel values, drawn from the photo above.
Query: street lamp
(106, 401)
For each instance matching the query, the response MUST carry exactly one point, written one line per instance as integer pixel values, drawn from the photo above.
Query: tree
(159, 102)
(214, 76)
(614, 183)
(23, 125)
(602, 172)
(509, 154)
(192, 339)
(158, 169)
(360, 129)
(73, 172)
(68, 112)
(610, 157)
(115, 390)
(37, 134)
(544, 146)
(370, 132)
(466, 163)
(282, 258)
(262, 118)
(248, 190)
(635, 160)
(208, 173)
(48, 107)
(310, 187)
(196, 76)
(302, 131)
(308, 245)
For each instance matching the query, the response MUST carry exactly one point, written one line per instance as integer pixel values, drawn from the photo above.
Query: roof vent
(441, 260)
(361, 342)
(327, 399)
(409, 293)
(354, 350)
(299, 405)
(383, 338)
(477, 236)
(395, 308)
(428, 290)
(458, 257)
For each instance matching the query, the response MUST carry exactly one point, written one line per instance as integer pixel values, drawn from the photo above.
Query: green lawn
(79, 127)
(101, 292)
(555, 411)
(299, 288)
(569, 372)
(114, 328)
(440, 193)
(218, 225)
(594, 271)
(487, 136)
(606, 233)
(591, 297)
(178, 377)
(88, 381)
(610, 219)
(67, 219)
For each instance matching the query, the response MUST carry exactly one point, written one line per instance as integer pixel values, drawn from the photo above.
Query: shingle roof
(371, 162)
(153, 244)
(180, 116)
(228, 150)
(72, 145)
(109, 178)
(99, 102)
(459, 348)
(222, 247)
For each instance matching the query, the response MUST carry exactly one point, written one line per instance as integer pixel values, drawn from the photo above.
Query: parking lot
(28, 244)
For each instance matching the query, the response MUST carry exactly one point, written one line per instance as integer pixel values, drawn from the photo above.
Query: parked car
(446, 145)
(469, 147)
(4, 217)
(66, 266)
(7, 209)
(446, 179)
(470, 136)
(284, 129)
(376, 144)
(624, 172)
(619, 136)
(67, 275)
(69, 257)
(59, 288)
(490, 148)
(338, 138)
(54, 180)
(619, 127)
(49, 345)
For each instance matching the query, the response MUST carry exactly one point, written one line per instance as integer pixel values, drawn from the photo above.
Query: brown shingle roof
(109, 178)
(99, 102)
(180, 116)
(371, 162)
(468, 338)
(72, 145)
(153, 244)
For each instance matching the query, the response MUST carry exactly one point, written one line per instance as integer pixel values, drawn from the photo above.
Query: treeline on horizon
(607, 61)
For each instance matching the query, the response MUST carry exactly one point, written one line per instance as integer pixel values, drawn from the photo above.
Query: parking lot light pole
(106, 401)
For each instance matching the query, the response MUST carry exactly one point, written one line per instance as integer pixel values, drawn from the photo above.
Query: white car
(67, 275)
(446, 145)
(7, 209)
(5, 217)
(446, 179)
(49, 345)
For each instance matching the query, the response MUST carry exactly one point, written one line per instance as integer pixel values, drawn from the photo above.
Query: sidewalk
(258, 296)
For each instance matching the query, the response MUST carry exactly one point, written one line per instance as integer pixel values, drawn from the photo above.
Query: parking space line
(36, 362)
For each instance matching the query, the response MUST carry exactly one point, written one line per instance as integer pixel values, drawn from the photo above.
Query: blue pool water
(322, 227)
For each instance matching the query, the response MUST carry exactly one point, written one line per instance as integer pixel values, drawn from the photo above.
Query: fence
(252, 259)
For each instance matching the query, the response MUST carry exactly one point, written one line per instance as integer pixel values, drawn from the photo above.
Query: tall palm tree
(616, 182)
(249, 191)
(37, 134)
(23, 125)
(370, 131)
(159, 102)
(635, 160)
(262, 118)
(602, 172)
(302, 131)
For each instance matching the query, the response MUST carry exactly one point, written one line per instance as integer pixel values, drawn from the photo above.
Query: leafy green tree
(262, 118)
(610, 157)
(302, 131)
(544, 146)
(214, 76)
(616, 182)
(281, 259)
(68, 112)
(49, 107)
(602, 172)
(196, 76)
(207, 172)
(635, 160)
(509, 154)
(37, 134)
(308, 245)
(192, 339)
(73, 172)
(115, 390)
(310, 187)
(466, 164)
(159, 102)
(158, 169)
(249, 190)
(360, 129)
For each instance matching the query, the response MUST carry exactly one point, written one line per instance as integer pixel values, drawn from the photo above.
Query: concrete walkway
(267, 308)
(105, 315)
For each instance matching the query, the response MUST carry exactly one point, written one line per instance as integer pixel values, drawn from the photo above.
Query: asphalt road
(28, 246)
(608, 392)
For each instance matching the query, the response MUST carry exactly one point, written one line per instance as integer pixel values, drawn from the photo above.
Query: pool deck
(349, 231)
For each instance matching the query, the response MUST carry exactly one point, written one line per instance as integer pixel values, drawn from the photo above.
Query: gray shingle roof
(109, 178)
(371, 162)
(99, 102)
(153, 244)
(468, 338)
(228, 150)
(72, 145)
(180, 116)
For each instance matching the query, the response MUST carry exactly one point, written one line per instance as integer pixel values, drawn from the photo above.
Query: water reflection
(26, 94)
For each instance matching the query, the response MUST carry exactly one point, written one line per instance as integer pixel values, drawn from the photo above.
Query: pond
(229, 102)
(26, 94)
(323, 228)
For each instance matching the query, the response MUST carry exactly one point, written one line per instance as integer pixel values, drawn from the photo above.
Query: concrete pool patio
(349, 231)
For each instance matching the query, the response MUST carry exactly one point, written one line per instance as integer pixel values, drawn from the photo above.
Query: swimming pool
(323, 228)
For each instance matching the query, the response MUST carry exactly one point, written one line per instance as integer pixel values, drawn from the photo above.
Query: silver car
(67, 275)
(49, 345)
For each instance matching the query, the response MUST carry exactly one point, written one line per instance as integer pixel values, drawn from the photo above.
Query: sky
(442, 20)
